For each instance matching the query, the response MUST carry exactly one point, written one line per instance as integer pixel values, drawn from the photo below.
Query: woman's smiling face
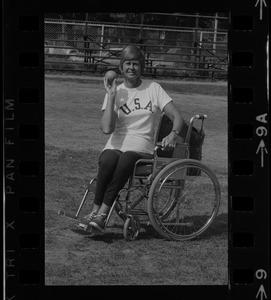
(131, 69)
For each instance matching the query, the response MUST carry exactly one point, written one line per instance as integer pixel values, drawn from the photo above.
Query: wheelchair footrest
(89, 230)
(67, 215)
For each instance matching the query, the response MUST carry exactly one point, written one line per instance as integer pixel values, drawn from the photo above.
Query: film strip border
(248, 152)
(23, 210)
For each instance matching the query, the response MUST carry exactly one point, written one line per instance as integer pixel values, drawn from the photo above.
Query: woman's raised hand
(110, 83)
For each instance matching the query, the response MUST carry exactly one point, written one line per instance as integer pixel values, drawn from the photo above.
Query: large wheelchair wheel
(184, 199)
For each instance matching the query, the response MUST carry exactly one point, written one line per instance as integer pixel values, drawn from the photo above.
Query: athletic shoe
(90, 216)
(98, 222)
(85, 222)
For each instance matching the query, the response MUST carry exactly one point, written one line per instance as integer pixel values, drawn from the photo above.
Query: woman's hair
(132, 52)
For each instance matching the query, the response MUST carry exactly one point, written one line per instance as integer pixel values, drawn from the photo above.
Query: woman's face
(131, 70)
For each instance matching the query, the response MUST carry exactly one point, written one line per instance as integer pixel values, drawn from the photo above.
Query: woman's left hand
(169, 142)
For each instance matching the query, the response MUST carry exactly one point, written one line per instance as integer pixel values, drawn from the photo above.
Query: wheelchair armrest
(142, 162)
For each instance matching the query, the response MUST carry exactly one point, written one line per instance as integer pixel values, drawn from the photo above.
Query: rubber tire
(131, 228)
(158, 226)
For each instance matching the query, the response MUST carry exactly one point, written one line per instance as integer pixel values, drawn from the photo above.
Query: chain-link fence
(169, 52)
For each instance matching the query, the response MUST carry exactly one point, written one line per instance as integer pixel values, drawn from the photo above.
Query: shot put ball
(110, 76)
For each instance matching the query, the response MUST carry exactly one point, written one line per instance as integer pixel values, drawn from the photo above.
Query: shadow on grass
(115, 232)
(218, 228)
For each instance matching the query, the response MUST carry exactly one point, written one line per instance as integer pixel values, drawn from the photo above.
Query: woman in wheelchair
(129, 117)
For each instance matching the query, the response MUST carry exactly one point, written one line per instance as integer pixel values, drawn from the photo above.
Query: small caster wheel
(131, 228)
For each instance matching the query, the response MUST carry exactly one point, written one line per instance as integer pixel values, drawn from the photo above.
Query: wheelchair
(177, 195)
